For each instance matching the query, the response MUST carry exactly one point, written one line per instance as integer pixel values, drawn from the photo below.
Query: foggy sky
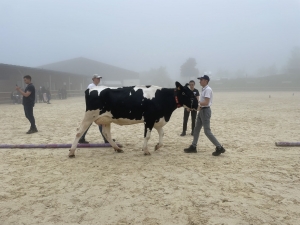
(139, 34)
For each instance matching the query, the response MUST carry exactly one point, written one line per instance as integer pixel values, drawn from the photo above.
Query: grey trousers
(203, 119)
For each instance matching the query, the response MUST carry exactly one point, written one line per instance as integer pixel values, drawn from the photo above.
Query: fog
(232, 35)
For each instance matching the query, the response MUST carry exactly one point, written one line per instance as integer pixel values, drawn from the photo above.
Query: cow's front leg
(107, 134)
(160, 132)
(80, 131)
(147, 135)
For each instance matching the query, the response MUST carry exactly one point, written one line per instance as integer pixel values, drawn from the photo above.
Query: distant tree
(188, 68)
(293, 65)
(158, 77)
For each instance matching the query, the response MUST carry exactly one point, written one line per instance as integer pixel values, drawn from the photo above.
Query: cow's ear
(178, 86)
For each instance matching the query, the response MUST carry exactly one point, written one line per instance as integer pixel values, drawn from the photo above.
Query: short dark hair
(191, 81)
(27, 77)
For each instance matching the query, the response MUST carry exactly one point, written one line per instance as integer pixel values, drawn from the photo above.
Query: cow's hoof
(119, 150)
(71, 156)
(157, 147)
(147, 153)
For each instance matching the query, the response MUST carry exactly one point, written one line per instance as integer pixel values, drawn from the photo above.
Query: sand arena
(254, 182)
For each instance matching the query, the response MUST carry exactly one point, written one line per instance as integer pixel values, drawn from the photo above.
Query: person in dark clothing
(187, 111)
(28, 102)
(48, 93)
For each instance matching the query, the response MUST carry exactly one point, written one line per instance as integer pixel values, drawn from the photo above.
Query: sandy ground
(254, 182)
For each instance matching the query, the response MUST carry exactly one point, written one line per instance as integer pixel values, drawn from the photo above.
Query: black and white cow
(150, 105)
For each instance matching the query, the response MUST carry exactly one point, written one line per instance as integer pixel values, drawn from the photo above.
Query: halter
(177, 102)
(176, 99)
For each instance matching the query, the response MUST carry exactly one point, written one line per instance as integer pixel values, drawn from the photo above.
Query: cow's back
(126, 102)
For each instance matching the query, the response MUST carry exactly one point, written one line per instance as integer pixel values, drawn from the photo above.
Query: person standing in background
(187, 111)
(43, 90)
(96, 81)
(28, 102)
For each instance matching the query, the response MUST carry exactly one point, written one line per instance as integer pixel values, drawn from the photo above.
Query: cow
(150, 105)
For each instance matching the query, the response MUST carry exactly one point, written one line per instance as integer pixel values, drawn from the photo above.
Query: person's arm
(25, 94)
(204, 103)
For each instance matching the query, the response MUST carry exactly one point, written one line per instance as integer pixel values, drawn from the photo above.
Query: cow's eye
(183, 93)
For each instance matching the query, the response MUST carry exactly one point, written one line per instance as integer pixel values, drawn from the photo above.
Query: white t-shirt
(206, 93)
(91, 85)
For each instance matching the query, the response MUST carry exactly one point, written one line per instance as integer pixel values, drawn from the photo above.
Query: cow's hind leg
(160, 132)
(147, 135)
(107, 134)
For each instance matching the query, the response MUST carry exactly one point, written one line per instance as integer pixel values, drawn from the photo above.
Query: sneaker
(29, 131)
(218, 151)
(82, 141)
(32, 130)
(191, 149)
(182, 134)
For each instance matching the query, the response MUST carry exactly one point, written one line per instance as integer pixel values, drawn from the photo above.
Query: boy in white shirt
(96, 81)
(203, 119)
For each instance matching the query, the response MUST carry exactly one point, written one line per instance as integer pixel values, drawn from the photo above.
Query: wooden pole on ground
(287, 144)
(97, 145)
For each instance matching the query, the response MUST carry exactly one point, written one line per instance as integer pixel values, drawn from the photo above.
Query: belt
(204, 108)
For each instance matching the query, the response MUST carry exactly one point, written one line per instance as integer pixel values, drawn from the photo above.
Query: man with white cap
(96, 81)
(203, 119)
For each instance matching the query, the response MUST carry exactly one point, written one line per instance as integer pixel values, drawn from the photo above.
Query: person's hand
(18, 88)
(188, 110)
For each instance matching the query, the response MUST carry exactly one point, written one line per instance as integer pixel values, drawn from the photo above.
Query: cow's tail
(87, 91)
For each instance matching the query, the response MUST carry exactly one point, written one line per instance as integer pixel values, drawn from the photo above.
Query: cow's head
(185, 97)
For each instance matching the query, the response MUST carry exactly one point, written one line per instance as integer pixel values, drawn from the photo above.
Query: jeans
(186, 118)
(203, 119)
(28, 109)
(100, 129)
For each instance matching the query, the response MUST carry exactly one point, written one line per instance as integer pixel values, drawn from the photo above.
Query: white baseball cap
(96, 76)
